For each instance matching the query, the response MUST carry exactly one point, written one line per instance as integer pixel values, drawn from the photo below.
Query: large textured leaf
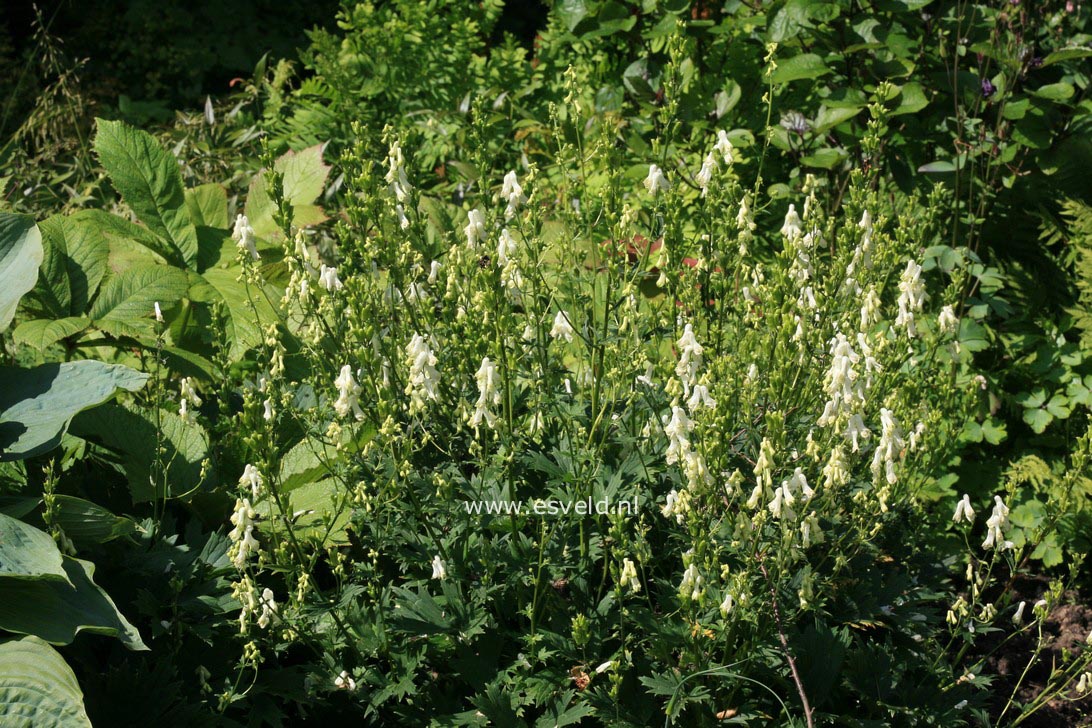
(132, 436)
(318, 512)
(56, 611)
(38, 688)
(20, 255)
(87, 522)
(148, 179)
(28, 553)
(43, 333)
(37, 404)
(76, 255)
(249, 309)
(127, 301)
(304, 179)
(127, 243)
(208, 206)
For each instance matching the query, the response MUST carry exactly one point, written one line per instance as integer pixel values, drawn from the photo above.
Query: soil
(1065, 631)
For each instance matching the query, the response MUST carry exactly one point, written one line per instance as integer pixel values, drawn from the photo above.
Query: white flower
(475, 228)
(513, 193)
(677, 429)
(629, 577)
(841, 383)
(267, 411)
(676, 506)
(911, 297)
(995, 537)
(791, 228)
(810, 532)
(344, 682)
(488, 394)
(188, 398)
(434, 272)
(655, 181)
(604, 667)
(724, 147)
(691, 585)
(947, 321)
(963, 510)
(348, 394)
(1018, 617)
(328, 278)
(158, 313)
(1085, 683)
(690, 358)
(705, 174)
(423, 376)
(857, 431)
(242, 536)
(870, 308)
(269, 608)
(727, 604)
(889, 448)
(396, 173)
(439, 571)
(243, 235)
(253, 479)
(561, 328)
(699, 397)
(403, 221)
(746, 223)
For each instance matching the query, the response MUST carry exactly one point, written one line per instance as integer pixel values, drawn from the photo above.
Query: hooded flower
(243, 235)
(655, 181)
(348, 394)
(562, 329)
(475, 228)
(513, 193)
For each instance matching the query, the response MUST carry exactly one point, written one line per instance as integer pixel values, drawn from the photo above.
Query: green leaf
(133, 436)
(42, 333)
(20, 255)
(208, 206)
(1067, 54)
(127, 301)
(825, 158)
(127, 243)
(76, 257)
(318, 511)
(1037, 419)
(148, 179)
(304, 180)
(805, 65)
(57, 611)
(28, 553)
(939, 167)
(1055, 91)
(249, 309)
(37, 687)
(571, 12)
(87, 522)
(828, 118)
(911, 100)
(37, 404)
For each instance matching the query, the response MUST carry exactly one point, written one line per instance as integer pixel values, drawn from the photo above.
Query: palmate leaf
(56, 611)
(20, 255)
(37, 404)
(149, 181)
(38, 688)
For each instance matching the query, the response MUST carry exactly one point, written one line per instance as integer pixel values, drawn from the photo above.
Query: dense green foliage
(806, 282)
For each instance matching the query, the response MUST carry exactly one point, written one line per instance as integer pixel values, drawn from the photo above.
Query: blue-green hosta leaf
(43, 333)
(37, 687)
(57, 611)
(28, 553)
(37, 404)
(126, 303)
(20, 255)
(148, 178)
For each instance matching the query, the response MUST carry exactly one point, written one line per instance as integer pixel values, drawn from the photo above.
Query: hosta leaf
(42, 333)
(127, 300)
(38, 688)
(37, 404)
(132, 435)
(56, 611)
(20, 255)
(87, 522)
(28, 553)
(148, 178)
